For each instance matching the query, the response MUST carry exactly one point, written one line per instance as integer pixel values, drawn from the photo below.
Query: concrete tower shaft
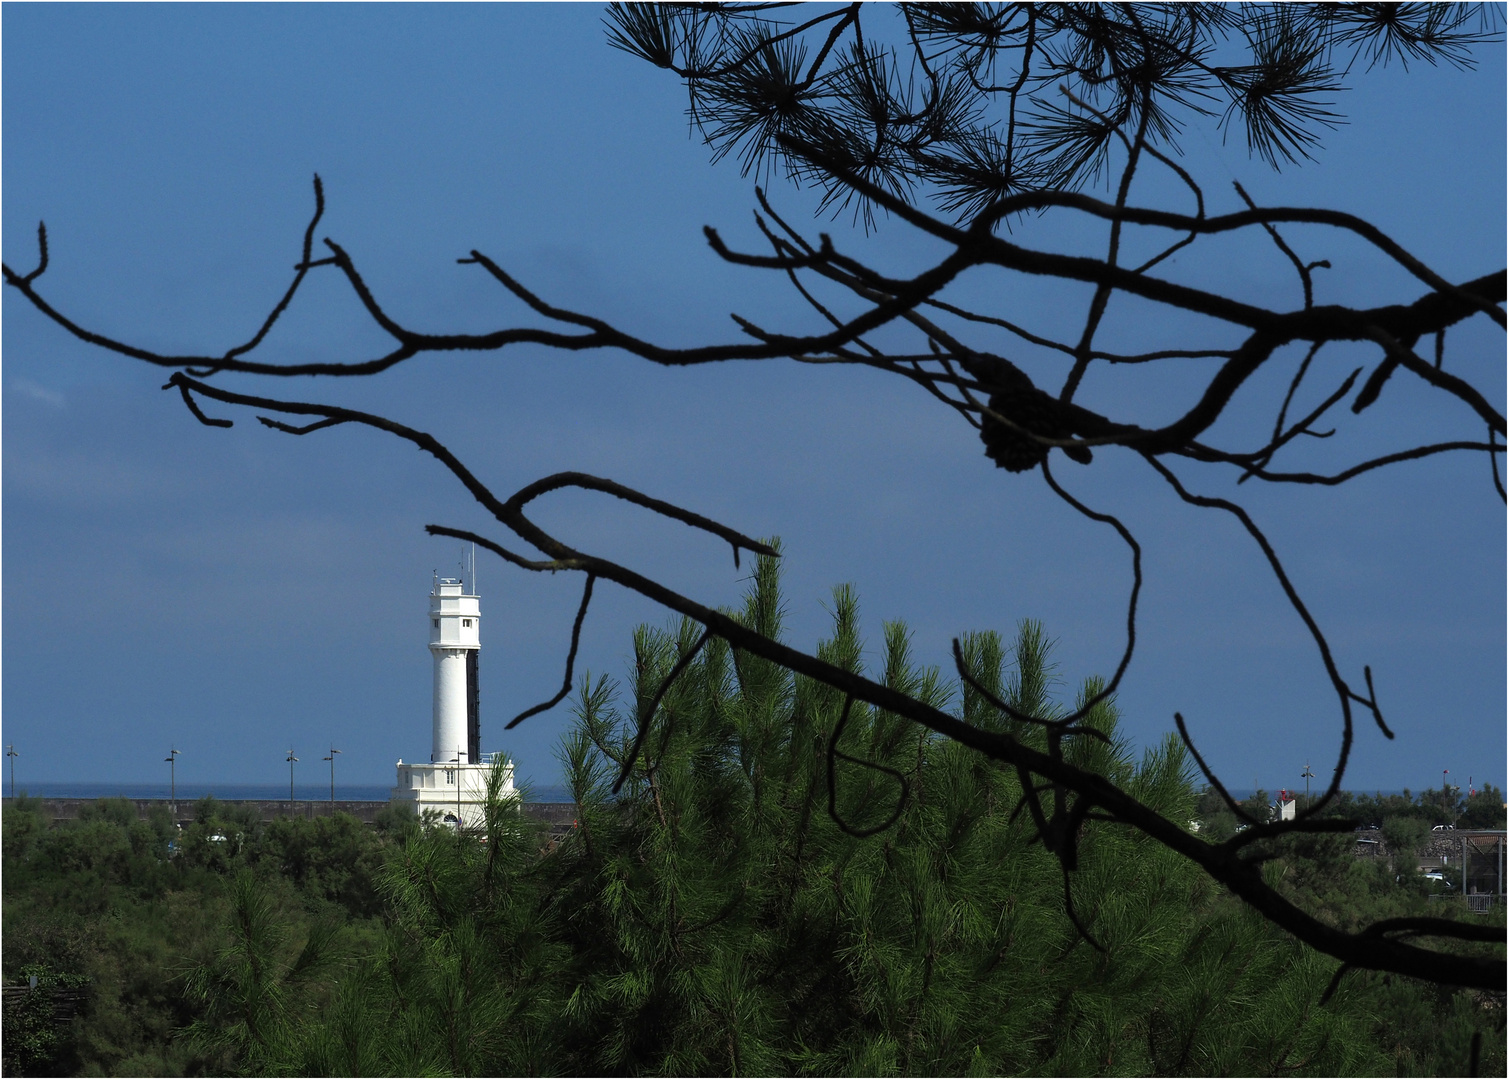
(455, 639)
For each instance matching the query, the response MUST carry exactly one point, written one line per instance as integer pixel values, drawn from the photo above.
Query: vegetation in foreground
(713, 917)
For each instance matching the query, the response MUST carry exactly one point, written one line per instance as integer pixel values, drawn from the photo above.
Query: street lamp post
(291, 760)
(458, 790)
(10, 752)
(331, 759)
(172, 760)
(1308, 775)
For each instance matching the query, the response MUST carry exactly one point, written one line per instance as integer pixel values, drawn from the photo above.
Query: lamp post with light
(458, 790)
(172, 760)
(331, 759)
(10, 752)
(291, 760)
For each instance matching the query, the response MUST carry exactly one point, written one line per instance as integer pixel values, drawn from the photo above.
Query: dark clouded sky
(237, 591)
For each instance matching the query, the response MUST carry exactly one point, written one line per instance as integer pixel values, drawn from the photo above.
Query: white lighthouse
(454, 781)
(455, 640)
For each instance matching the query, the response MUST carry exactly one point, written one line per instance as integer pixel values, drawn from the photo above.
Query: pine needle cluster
(971, 103)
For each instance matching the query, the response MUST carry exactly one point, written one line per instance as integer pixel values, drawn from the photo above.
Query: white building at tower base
(454, 792)
(453, 783)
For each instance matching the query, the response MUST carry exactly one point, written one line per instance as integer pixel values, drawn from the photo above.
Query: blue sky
(235, 592)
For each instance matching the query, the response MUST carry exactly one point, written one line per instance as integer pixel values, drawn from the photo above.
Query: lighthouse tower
(455, 640)
(454, 781)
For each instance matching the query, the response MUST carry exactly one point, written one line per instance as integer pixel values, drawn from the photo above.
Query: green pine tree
(747, 902)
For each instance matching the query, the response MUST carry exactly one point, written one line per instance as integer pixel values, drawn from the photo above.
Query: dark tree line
(995, 114)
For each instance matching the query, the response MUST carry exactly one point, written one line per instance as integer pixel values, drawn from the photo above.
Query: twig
(834, 753)
(647, 714)
(576, 637)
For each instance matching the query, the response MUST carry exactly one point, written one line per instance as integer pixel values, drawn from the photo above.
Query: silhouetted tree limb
(1223, 862)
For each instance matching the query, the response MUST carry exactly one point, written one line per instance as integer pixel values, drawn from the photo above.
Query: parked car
(1443, 828)
(1438, 878)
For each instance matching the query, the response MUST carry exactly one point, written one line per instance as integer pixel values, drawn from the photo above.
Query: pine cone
(1029, 408)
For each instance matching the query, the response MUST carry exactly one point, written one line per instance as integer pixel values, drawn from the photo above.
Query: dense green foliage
(105, 902)
(715, 918)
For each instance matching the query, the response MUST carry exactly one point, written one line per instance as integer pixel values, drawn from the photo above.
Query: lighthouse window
(436, 622)
(466, 622)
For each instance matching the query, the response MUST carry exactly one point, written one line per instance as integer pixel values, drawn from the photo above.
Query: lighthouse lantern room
(454, 781)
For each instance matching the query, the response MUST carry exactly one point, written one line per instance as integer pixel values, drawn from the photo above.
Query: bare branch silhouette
(576, 638)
